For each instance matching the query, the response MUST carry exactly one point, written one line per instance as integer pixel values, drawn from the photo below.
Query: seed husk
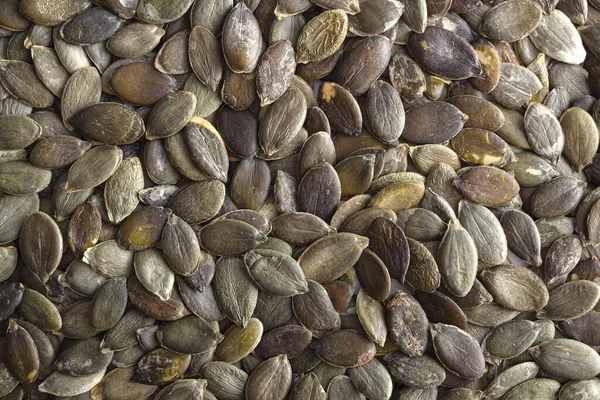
(22, 353)
(124, 127)
(225, 380)
(516, 86)
(420, 372)
(21, 178)
(519, 19)
(141, 84)
(321, 253)
(407, 324)
(199, 201)
(516, 288)
(567, 358)
(345, 348)
(457, 259)
(18, 132)
(58, 152)
(557, 197)
(118, 383)
(235, 292)
(60, 384)
(556, 37)
(571, 300)
(315, 311)
(239, 342)
(21, 81)
(38, 310)
(272, 377)
(41, 245)
(93, 168)
(134, 40)
(426, 49)
(322, 36)
(423, 124)
(241, 39)
(448, 341)
(488, 186)
(109, 303)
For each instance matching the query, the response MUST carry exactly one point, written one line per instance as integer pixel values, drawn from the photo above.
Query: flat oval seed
(171, 114)
(275, 71)
(22, 178)
(556, 37)
(516, 288)
(567, 358)
(21, 81)
(57, 152)
(124, 126)
(341, 108)
(433, 122)
(142, 84)
(109, 303)
(241, 39)
(444, 53)
(272, 377)
(345, 348)
(571, 300)
(511, 21)
(449, 341)
(93, 25)
(93, 168)
(18, 132)
(322, 36)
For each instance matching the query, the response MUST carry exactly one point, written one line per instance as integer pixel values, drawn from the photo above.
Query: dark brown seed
(250, 183)
(422, 272)
(419, 372)
(241, 39)
(152, 305)
(433, 122)
(290, 340)
(315, 311)
(205, 57)
(345, 348)
(141, 84)
(239, 130)
(319, 191)
(373, 275)
(388, 241)
(516, 288)
(41, 245)
(58, 152)
(22, 353)
(274, 72)
(452, 345)
(84, 228)
(143, 228)
(375, 17)
(488, 186)
(341, 108)
(362, 63)
(441, 309)
(407, 324)
(125, 126)
(444, 54)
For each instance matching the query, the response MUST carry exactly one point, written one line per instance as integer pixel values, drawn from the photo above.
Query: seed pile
(299, 199)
